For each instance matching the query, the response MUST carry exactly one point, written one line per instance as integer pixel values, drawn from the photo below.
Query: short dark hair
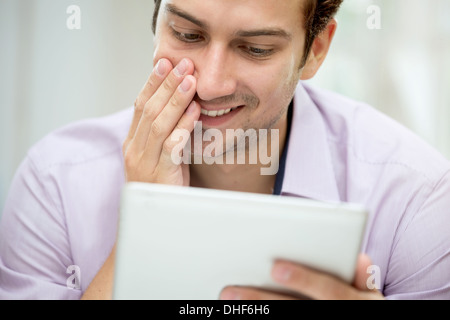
(318, 14)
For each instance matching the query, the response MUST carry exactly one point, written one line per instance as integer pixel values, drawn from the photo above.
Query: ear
(319, 51)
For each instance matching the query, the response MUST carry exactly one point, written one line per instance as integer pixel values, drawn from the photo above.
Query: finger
(171, 115)
(164, 125)
(166, 91)
(363, 273)
(172, 150)
(311, 283)
(159, 73)
(247, 293)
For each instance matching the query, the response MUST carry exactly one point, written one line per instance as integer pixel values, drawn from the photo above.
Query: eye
(187, 37)
(258, 52)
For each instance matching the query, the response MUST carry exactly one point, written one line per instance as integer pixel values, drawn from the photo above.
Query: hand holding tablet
(178, 243)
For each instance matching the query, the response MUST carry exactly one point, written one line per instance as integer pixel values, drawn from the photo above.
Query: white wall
(402, 69)
(51, 76)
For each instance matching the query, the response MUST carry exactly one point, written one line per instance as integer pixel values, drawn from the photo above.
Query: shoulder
(66, 193)
(82, 141)
(403, 181)
(376, 140)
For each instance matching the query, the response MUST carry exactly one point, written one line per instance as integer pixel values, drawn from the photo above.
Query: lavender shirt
(62, 207)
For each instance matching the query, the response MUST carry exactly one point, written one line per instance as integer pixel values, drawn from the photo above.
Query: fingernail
(160, 68)
(186, 85)
(181, 68)
(230, 295)
(282, 273)
(191, 108)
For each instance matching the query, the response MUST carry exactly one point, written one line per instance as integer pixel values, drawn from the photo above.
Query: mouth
(217, 113)
(219, 117)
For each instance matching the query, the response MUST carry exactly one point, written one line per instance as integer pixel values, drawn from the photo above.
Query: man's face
(246, 54)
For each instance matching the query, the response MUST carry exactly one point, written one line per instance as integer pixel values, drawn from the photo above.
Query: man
(233, 65)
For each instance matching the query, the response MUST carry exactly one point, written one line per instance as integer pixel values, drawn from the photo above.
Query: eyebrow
(264, 32)
(275, 32)
(182, 14)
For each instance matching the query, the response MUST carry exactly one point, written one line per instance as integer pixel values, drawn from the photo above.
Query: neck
(254, 178)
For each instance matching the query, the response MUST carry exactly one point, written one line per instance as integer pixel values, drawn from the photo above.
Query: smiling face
(246, 53)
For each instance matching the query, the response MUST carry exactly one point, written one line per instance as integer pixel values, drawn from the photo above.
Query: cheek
(164, 51)
(279, 84)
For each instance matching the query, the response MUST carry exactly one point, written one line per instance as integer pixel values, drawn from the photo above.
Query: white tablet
(179, 243)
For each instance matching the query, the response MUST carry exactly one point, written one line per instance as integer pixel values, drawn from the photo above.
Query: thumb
(362, 274)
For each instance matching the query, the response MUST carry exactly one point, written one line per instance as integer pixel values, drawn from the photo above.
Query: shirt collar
(309, 168)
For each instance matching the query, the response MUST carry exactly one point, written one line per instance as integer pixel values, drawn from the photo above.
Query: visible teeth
(216, 113)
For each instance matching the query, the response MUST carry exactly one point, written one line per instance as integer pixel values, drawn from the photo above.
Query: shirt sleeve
(420, 262)
(35, 255)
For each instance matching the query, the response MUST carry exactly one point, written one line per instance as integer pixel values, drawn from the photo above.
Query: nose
(215, 73)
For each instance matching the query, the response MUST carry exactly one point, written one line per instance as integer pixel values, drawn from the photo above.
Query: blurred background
(54, 71)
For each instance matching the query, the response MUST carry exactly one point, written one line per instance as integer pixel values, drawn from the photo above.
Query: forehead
(242, 14)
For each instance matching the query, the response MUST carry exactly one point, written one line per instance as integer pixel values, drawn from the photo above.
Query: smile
(217, 113)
